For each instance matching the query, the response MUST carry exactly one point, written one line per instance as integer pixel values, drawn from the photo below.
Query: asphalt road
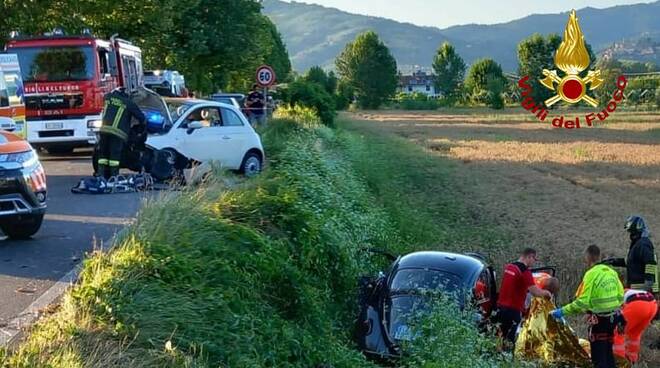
(74, 224)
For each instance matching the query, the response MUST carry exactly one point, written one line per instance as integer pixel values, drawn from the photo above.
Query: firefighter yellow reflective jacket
(601, 292)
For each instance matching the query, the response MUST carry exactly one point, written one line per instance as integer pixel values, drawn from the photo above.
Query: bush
(449, 332)
(303, 116)
(312, 95)
(343, 96)
(416, 101)
(486, 82)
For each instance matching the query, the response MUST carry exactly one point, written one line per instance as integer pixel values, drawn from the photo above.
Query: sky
(446, 13)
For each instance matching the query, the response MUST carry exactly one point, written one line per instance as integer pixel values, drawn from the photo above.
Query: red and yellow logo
(572, 58)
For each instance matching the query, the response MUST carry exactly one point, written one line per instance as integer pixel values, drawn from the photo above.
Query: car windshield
(224, 100)
(402, 309)
(56, 64)
(413, 280)
(411, 294)
(178, 108)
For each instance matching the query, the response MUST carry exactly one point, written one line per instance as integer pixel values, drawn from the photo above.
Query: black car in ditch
(388, 300)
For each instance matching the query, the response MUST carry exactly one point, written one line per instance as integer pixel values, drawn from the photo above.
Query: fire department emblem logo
(572, 58)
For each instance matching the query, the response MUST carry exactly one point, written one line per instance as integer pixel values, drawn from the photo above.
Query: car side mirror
(194, 125)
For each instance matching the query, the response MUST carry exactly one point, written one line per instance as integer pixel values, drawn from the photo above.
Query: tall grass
(420, 193)
(261, 272)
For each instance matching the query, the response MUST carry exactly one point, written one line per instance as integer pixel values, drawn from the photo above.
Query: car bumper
(66, 131)
(20, 195)
(17, 205)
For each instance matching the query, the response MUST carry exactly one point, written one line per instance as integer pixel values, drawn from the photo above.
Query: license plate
(54, 125)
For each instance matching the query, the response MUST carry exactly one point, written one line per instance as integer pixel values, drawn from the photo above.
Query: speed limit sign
(265, 76)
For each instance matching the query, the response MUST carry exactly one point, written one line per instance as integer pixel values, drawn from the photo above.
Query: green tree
(449, 70)
(277, 55)
(536, 53)
(317, 75)
(610, 70)
(331, 84)
(214, 44)
(310, 94)
(344, 95)
(486, 82)
(367, 66)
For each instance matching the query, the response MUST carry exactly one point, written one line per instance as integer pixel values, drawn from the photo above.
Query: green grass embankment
(262, 272)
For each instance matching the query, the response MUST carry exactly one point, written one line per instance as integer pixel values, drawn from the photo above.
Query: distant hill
(315, 34)
(645, 48)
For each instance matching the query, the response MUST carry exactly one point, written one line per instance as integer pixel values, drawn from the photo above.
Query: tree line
(367, 76)
(215, 44)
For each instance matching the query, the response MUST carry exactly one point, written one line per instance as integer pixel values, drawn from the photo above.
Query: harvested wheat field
(558, 190)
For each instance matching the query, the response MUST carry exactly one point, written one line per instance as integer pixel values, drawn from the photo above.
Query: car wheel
(60, 150)
(22, 228)
(178, 163)
(251, 165)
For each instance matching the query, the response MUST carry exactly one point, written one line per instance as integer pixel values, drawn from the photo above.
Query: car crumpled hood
(151, 102)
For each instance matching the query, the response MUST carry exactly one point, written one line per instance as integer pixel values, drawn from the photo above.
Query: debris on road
(25, 290)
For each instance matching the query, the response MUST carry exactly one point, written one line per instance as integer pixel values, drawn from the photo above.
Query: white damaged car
(183, 133)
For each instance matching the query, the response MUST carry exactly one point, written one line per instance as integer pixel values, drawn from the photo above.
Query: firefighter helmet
(635, 225)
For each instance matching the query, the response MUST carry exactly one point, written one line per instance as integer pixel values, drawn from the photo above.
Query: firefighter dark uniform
(118, 112)
(641, 262)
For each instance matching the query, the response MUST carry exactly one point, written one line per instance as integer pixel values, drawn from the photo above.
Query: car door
(210, 142)
(236, 130)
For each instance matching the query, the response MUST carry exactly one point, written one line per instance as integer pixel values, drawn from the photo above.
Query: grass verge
(261, 273)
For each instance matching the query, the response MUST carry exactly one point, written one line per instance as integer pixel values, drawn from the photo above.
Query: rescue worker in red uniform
(639, 309)
(516, 282)
(118, 112)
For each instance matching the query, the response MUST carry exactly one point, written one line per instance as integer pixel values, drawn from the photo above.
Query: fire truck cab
(65, 78)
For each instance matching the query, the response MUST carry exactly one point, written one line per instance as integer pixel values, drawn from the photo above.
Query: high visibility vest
(601, 292)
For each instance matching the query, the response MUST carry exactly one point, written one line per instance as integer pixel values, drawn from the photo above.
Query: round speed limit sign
(265, 76)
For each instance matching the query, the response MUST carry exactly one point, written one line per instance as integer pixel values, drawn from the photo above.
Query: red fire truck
(65, 79)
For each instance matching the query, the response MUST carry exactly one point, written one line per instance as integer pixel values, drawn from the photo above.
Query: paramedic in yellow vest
(118, 113)
(600, 295)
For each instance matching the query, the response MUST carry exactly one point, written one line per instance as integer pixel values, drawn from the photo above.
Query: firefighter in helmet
(118, 114)
(641, 263)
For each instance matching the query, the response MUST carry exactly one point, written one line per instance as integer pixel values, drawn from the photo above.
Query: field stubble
(557, 190)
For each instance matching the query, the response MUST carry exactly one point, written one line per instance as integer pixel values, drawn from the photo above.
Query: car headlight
(25, 159)
(94, 124)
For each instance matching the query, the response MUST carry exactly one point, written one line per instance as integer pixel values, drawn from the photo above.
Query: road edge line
(32, 313)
